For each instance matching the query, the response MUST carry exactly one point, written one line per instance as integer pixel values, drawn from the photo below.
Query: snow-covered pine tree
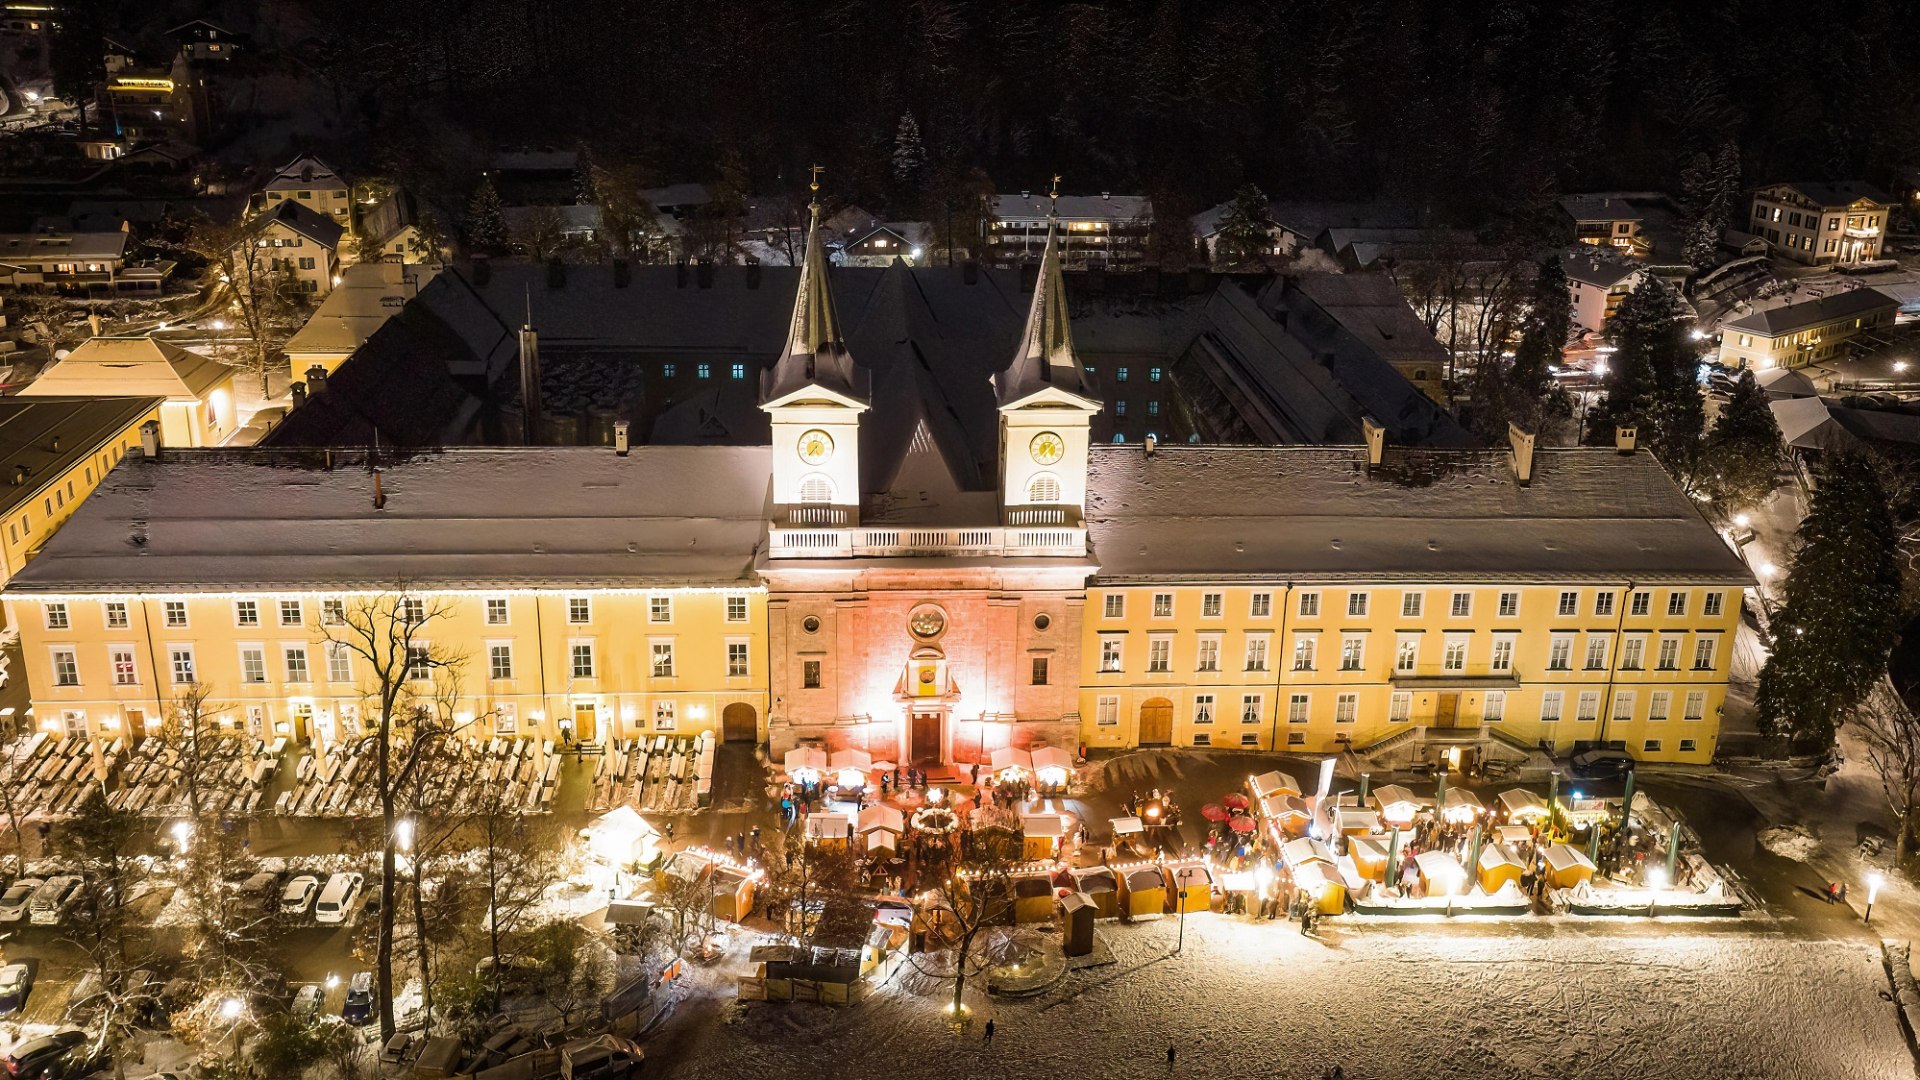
(486, 223)
(909, 152)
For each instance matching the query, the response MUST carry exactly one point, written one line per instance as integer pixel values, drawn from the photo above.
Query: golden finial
(814, 184)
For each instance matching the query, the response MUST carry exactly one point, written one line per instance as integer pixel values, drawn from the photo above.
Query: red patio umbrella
(1235, 801)
(1214, 812)
(1241, 823)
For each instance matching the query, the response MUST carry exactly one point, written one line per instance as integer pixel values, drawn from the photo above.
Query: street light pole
(1873, 893)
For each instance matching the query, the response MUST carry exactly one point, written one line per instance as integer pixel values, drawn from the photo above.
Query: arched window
(816, 489)
(1119, 438)
(1044, 488)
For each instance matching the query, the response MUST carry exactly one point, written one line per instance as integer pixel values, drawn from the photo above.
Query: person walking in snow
(1170, 1056)
(987, 1038)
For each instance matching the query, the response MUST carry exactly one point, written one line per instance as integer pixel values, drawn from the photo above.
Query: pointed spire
(815, 353)
(1046, 356)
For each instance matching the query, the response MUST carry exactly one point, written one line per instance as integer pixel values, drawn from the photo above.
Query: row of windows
(1812, 221)
(123, 662)
(22, 527)
(1413, 604)
(703, 370)
(1346, 707)
(333, 612)
(1455, 652)
(345, 718)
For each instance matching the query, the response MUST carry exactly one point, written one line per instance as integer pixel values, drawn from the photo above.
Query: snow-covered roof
(306, 173)
(1600, 271)
(295, 217)
(368, 295)
(1519, 802)
(130, 367)
(1566, 857)
(1043, 825)
(1051, 757)
(882, 816)
(1493, 855)
(1807, 314)
(825, 826)
(1009, 757)
(583, 516)
(1269, 782)
(106, 244)
(1034, 208)
(1780, 382)
(1319, 513)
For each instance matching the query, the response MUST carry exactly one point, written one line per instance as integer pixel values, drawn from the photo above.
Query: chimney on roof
(54, 444)
(530, 404)
(620, 437)
(1151, 444)
(317, 379)
(298, 390)
(1521, 443)
(1376, 440)
(19, 475)
(1625, 437)
(379, 492)
(150, 440)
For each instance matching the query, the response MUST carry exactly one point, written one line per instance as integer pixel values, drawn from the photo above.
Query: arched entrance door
(739, 723)
(1156, 722)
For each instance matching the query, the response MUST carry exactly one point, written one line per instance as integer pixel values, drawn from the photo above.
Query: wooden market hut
(1052, 767)
(1498, 868)
(1043, 835)
(1012, 764)
(1193, 885)
(1143, 889)
(1325, 884)
(1291, 814)
(1461, 806)
(1100, 885)
(1355, 820)
(733, 888)
(1396, 804)
(828, 829)
(1522, 807)
(881, 826)
(1274, 782)
(1033, 897)
(1440, 873)
(1369, 856)
(1567, 866)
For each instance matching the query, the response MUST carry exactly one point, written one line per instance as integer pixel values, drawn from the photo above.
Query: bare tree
(978, 894)
(815, 888)
(262, 295)
(515, 863)
(100, 844)
(194, 743)
(388, 632)
(1890, 731)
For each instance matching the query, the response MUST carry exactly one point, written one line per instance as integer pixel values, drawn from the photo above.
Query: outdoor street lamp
(1873, 893)
(403, 834)
(182, 834)
(230, 1012)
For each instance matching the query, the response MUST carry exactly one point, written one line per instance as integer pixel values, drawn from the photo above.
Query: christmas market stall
(1143, 889)
(1043, 836)
(1461, 807)
(1192, 884)
(1498, 868)
(849, 769)
(880, 828)
(1100, 885)
(829, 829)
(1440, 874)
(1324, 885)
(1369, 855)
(1567, 866)
(1052, 770)
(1033, 896)
(1011, 766)
(1522, 807)
(1396, 804)
(806, 765)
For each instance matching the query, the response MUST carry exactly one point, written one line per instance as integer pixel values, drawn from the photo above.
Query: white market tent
(1048, 825)
(1462, 806)
(881, 825)
(1007, 759)
(850, 759)
(622, 836)
(1296, 853)
(1124, 826)
(1275, 783)
(1052, 765)
(805, 763)
(828, 826)
(1522, 805)
(1442, 872)
(1397, 804)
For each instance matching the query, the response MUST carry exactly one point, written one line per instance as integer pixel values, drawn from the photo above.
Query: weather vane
(814, 184)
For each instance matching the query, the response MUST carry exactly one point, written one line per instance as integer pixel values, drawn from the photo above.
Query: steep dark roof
(45, 436)
(1834, 192)
(1791, 318)
(294, 215)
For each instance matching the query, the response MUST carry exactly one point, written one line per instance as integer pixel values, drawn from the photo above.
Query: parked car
(86, 1000)
(1602, 764)
(309, 1001)
(45, 1056)
(13, 904)
(398, 1050)
(336, 900)
(16, 982)
(606, 1057)
(262, 888)
(297, 897)
(359, 1004)
(51, 900)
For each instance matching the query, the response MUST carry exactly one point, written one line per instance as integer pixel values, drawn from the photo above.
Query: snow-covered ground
(1258, 1000)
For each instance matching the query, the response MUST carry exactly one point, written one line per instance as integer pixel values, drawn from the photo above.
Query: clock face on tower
(815, 446)
(1046, 448)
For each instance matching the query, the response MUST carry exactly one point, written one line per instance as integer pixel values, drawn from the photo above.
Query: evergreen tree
(1709, 193)
(909, 153)
(1543, 332)
(1832, 635)
(583, 178)
(1651, 378)
(486, 223)
(1740, 459)
(1245, 238)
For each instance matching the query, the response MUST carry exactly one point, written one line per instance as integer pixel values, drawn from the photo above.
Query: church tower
(814, 396)
(1046, 405)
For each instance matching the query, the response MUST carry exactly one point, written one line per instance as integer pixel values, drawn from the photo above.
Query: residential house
(299, 242)
(1104, 231)
(1804, 332)
(1817, 223)
(313, 184)
(197, 399)
(368, 295)
(56, 450)
(203, 39)
(1597, 284)
(881, 242)
(142, 104)
(389, 230)
(65, 261)
(1610, 219)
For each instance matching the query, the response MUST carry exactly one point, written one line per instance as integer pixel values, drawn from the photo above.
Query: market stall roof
(1091, 879)
(1305, 850)
(1008, 757)
(616, 833)
(1440, 868)
(827, 826)
(882, 816)
(1461, 797)
(1521, 803)
(806, 757)
(1396, 801)
(1368, 847)
(1314, 876)
(1348, 818)
(1145, 877)
(1493, 855)
(1514, 834)
(1043, 825)
(1563, 857)
(850, 759)
(1123, 826)
(1189, 874)
(1269, 783)
(1051, 757)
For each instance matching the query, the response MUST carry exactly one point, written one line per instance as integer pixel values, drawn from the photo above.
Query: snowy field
(1261, 1001)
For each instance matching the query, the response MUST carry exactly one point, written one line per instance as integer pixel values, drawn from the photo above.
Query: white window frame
(169, 608)
(1358, 603)
(132, 669)
(58, 616)
(743, 648)
(1587, 709)
(253, 658)
(1106, 711)
(500, 604)
(1412, 604)
(1493, 708)
(1623, 703)
(496, 652)
(1299, 708)
(1353, 652)
(1213, 605)
(1159, 654)
(174, 655)
(1306, 649)
(1203, 708)
(579, 610)
(574, 655)
(1309, 606)
(298, 610)
(288, 653)
(737, 601)
(70, 654)
(113, 614)
(1346, 707)
(1400, 707)
(1553, 705)
(659, 609)
(1454, 658)
(1696, 706)
(1113, 606)
(1509, 605)
(1113, 654)
(1713, 605)
(246, 613)
(1706, 652)
(1259, 649)
(1206, 653)
(1260, 605)
(1560, 652)
(1406, 653)
(655, 656)
(1504, 645)
(339, 663)
(1659, 706)
(1460, 604)
(1568, 604)
(1163, 605)
(1251, 707)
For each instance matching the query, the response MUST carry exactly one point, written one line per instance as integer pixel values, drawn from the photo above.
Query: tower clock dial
(815, 446)
(1047, 448)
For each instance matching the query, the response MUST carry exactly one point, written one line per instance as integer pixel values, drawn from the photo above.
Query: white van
(336, 900)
